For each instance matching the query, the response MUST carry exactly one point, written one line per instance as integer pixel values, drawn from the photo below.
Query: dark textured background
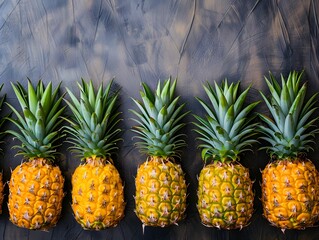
(194, 40)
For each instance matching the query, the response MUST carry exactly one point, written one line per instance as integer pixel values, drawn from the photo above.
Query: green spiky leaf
(40, 108)
(159, 120)
(291, 132)
(226, 130)
(94, 121)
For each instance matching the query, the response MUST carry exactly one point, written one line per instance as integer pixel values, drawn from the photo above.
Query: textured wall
(194, 40)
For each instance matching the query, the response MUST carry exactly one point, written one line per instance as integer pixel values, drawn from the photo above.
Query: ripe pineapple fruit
(97, 189)
(36, 186)
(2, 99)
(160, 185)
(225, 196)
(290, 185)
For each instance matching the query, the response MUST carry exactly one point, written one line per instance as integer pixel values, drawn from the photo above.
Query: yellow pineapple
(290, 185)
(225, 196)
(36, 186)
(97, 188)
(160, 185)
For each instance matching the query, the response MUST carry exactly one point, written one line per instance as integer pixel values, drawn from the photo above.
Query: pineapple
(97, 188)
(1, 135)
(36, 186)
(290, 182)
(160, 185)
(225, 196)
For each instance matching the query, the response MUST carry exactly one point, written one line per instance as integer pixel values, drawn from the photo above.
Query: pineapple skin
(291, 193)
(97, 196)
(225, 195)
(35, 195)
(160, 193)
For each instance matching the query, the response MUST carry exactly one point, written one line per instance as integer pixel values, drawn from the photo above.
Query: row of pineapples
(290, 185)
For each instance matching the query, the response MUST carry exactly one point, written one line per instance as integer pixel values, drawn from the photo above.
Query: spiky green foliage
(39, 123)
(159, 120)
(288, 133)
(227, 129)
(93, 128)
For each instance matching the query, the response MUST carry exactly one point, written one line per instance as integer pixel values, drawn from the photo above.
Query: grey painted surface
(145, 41)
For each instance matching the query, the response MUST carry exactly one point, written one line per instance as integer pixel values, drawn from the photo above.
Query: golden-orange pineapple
(36, 193)
(290, 182)
(36, 186)
(97, 188)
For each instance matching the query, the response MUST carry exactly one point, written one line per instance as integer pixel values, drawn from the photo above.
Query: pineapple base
(35, 195)
(160, 192)
(97, 196)
(225, 196)
(290, 193)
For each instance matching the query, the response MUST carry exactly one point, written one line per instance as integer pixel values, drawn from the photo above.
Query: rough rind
(225, 195)
(35, 195)
(160, 193)
(290, 193)
(97, 196)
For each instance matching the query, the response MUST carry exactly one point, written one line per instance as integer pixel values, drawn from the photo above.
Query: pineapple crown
(226, 131)
(93, 127)
(39, 122)
(288, 132)
(159, 120)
